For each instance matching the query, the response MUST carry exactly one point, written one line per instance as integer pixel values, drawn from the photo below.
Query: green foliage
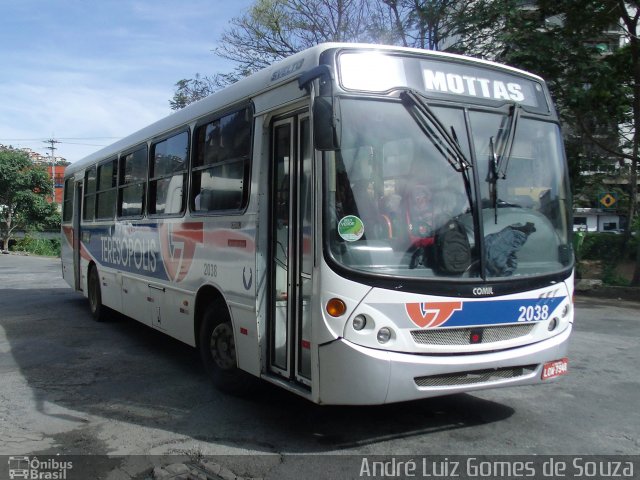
(19, 177)
(191, 90)
(609, 249)
(595, 91)
(602, 246)
(38, 246)
(610, 277)
(592, 87)
(271, 30)
(24, 190)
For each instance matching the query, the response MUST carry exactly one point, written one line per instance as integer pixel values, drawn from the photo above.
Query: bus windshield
(397, 203)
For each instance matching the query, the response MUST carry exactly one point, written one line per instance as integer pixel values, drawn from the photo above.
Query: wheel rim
(223, 347)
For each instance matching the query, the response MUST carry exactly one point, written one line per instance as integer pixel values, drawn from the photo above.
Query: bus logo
(431, 314)
(178, 245)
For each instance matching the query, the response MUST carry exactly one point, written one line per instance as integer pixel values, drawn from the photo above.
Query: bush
(633, 248)
(607, 248)
(602, 246)
(38, 246)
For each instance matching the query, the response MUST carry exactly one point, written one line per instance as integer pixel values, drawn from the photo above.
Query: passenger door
(77, 213)
(291, 259)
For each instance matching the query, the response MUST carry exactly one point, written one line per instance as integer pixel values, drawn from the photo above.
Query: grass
(38, 246)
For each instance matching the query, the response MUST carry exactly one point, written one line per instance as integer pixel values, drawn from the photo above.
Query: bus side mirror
(326, 123)
(326, 108)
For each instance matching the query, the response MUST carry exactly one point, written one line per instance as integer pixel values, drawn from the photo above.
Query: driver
(420, 216)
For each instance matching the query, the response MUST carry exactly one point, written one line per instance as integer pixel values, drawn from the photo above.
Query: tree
(275, 29)
(189, 90)
(595, 87)
(24, 189)
(272, 30)
(597, 93)
(427, 24)
(599, 88)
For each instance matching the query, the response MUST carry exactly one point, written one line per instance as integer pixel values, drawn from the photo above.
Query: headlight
(359, 322)
(384, 335)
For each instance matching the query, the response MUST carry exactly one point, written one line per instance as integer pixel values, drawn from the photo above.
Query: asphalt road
(70, 385)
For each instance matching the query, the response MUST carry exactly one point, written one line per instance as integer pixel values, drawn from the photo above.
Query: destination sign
(478, 82)
(379, 72)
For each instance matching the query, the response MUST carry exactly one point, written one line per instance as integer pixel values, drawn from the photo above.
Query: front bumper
(354, 375)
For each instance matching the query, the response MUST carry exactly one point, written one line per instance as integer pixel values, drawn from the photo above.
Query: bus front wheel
(218, 351)
(95, 295)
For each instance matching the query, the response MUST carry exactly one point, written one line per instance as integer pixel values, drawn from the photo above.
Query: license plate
(555, 368)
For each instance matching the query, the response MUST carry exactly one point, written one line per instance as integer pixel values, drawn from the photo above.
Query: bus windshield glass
(398, 204)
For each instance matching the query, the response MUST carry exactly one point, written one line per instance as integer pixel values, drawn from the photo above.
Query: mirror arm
(326, 108)
(305, 79)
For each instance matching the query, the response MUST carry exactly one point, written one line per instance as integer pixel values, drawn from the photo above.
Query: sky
(87, 73)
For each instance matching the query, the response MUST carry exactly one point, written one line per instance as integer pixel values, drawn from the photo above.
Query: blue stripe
(494, 312)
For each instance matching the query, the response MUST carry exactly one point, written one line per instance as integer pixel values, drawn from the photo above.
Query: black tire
(98, 310)
(217, 351)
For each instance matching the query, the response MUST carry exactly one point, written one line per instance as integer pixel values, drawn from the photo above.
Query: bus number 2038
(533, 313)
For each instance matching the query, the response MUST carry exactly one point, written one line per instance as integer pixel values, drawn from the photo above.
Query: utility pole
(53, 142)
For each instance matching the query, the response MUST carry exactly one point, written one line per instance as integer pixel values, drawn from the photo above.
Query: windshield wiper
(499, 162)
(444, 141)
(492, 179)
(509, 136)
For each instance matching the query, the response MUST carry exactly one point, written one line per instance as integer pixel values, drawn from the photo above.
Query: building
(596, 220)
(56, 174)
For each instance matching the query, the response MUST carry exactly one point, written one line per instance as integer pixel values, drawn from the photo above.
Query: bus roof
(253, 85)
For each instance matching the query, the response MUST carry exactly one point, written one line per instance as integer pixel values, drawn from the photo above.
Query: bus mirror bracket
(326, 108)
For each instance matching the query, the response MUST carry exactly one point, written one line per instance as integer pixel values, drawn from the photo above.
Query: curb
(595, 288)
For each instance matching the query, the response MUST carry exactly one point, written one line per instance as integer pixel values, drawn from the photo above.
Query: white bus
(358, 224)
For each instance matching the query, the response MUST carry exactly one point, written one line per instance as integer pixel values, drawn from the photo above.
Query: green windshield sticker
(350, 228)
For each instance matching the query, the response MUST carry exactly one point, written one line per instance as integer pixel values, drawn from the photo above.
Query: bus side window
(106, 190)
(221, 163)
(67, 202)
(168, 175)
(133, 182)
(89, 202)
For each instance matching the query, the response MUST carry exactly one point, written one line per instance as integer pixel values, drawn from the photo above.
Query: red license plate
(555, 368)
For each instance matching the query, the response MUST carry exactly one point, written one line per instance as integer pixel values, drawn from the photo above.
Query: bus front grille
(474, 377)
(462, 336)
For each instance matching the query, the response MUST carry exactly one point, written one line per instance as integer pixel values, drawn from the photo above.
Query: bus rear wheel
(95, 295)
(218, 351)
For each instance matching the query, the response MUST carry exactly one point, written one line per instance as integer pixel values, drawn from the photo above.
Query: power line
(90, 138)
(53, 142)
(42, 139)
(85, 144)
(63, 142)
